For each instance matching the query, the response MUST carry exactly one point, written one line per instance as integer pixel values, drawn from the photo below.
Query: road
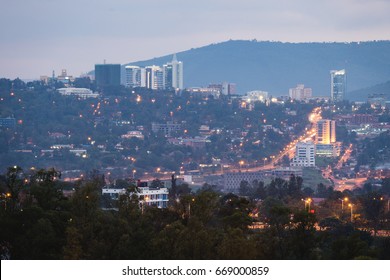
(269, 163)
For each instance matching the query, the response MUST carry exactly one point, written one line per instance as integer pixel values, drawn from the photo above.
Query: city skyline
(41, 37)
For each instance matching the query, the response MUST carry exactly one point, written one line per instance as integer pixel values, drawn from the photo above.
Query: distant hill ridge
(275, 66)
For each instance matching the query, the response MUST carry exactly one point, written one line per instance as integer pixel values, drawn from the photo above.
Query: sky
(37, 37)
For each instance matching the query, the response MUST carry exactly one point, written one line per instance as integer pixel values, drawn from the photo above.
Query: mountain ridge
(277, 66)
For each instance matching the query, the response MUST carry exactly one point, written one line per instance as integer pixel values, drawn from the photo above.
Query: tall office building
(326, 144)
(133, 76)
(173, 74)
(154, 77)
(338, 85)
(326, 132)
(107, 75)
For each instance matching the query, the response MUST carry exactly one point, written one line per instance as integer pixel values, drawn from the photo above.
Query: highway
(269, 163)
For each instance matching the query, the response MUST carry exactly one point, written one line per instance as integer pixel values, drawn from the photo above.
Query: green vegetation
(312, 177)
(39, 222)
(45, 119)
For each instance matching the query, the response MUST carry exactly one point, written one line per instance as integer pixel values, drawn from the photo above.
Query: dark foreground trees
(41, 223)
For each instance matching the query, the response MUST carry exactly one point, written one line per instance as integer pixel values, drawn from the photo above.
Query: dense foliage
(39, 222)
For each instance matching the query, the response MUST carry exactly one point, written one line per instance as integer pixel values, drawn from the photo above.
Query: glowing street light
(351, 206)
(342, 203)
(308, 203)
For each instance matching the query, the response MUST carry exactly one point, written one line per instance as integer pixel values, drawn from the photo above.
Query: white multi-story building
(300, 92)
(304, 155)
(173, 74)
(148, 196)
(133, 76)
(80, 92)
(154, 77)
(256, 95)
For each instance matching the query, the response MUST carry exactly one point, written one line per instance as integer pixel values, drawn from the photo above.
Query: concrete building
(157, 197)
(338, 85)
(8, 122)
(204, 92)
(256, 95)
(133, 134)
(224, 88)
(173, 76)
(107, 75)
(326, 144)
(154, 77)
(83, 93)
(232, 181)
(132, 76)
(304, 155)
(166, 128)
(325, 132)
(300, 92)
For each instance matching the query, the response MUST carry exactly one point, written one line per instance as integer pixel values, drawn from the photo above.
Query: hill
(362, 94)
(277, 66)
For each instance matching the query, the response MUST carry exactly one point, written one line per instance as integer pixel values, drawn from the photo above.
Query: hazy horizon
(41, 36)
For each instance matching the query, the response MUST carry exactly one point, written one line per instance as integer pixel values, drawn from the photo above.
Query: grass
(312, 177)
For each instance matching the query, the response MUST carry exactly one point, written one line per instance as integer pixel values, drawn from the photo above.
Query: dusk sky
(40, 36)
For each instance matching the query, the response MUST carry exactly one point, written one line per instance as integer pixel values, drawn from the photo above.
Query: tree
(373, 207)
(245, 189)
(44, 188)
(14, 181)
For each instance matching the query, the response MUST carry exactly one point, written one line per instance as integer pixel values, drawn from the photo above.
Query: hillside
(362, 94)
(276, 66)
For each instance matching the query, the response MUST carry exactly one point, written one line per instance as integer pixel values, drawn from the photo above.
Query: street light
(342, 203)
(241, 163)
(189, 207)
(134, 171)
(351, 206)
(308, 203)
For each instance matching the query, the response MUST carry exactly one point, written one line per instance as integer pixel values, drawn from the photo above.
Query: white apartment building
(300, 92)
(83, 93)
(150, 196)
(304, 155)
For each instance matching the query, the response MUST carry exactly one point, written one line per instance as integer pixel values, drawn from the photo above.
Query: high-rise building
(154, 77)
(107, 75)
(304, 155)
(133, 76)
(326, 132)
(173, 74)
(338, 85)
(326, 144)
(300, 92)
